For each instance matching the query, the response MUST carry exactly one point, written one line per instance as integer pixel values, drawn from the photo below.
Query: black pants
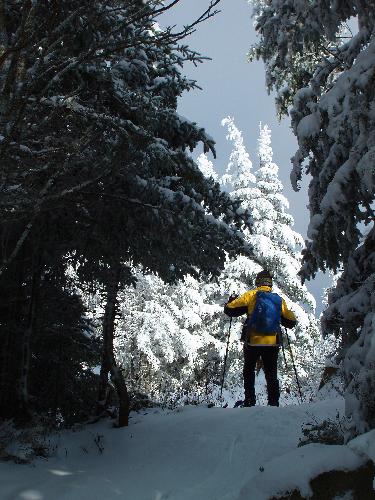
(269, 356)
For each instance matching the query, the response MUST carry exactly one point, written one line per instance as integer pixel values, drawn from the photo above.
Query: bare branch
(129, 200)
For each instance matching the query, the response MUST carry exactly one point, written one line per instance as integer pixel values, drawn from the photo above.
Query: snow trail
(188, 453)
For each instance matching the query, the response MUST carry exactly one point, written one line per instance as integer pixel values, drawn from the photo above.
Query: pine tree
(166, 342)
(277, 244)
(350, 310)
(329, 79)
(238, 172)
(94, 156)
(206, 167)
(46, 331)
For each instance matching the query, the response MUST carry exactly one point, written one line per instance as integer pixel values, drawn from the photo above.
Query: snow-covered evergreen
(165, 340)
(274, 240)
(350, 316)
(328, 78)
(206, 167)
(238, 172)
(96, 168)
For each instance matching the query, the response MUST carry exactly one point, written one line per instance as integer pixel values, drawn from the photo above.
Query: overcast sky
(232, 86)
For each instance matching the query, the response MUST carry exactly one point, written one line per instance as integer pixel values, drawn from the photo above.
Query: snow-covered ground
(191, 453)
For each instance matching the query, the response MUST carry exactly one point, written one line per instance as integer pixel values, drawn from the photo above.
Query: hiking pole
(282, 348)
(225, 360)
(294, 366)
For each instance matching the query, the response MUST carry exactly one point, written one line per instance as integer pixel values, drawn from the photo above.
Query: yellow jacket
(246, 304)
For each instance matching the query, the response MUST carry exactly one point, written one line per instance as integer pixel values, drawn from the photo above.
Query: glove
(232, 298)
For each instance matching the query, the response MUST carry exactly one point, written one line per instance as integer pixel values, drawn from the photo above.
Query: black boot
(273, 390)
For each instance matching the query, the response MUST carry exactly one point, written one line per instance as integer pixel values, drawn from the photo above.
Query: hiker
(261, 333)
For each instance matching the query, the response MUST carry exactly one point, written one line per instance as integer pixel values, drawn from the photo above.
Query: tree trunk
(122, 392)
(108, 362)
(103, 395)
(23, 395)
(7, 396)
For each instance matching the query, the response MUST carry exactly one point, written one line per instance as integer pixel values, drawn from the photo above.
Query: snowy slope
(193, 453)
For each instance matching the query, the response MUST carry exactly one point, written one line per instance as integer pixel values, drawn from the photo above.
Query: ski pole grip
(232, 297)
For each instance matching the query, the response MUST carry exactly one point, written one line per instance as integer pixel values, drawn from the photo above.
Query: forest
(120, 244)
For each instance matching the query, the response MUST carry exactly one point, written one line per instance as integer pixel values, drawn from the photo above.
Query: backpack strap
(288, 323)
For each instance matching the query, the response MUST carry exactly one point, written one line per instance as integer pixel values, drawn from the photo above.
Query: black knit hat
(263, 278)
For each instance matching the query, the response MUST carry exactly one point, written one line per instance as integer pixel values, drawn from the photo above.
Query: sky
(233, 86)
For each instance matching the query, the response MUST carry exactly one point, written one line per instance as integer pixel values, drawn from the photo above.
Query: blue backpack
(265, 319)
